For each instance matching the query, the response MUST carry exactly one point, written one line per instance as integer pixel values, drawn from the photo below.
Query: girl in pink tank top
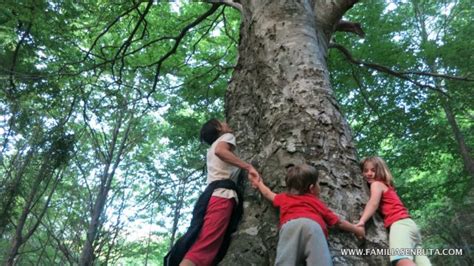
(404, 235)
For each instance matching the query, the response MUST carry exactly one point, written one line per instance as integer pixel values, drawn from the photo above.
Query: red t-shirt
(304, 206)
(392, 208)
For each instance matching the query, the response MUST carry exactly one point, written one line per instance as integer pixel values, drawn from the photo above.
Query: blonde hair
(382, 173)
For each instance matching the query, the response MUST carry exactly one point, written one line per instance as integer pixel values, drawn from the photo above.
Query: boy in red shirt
(304, 219)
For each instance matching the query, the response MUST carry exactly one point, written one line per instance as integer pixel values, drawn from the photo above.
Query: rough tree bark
(281, 106)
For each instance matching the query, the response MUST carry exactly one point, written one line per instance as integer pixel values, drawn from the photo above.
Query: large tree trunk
(87, 254)
(283, 111)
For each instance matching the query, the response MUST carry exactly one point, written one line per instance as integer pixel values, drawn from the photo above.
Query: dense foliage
(101, 103)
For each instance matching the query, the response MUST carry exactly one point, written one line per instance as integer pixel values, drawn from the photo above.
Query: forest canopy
(102, 101)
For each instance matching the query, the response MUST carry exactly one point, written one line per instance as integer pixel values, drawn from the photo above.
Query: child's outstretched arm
(359, 231)
(376, 190)
(266, 191)
(225, 152)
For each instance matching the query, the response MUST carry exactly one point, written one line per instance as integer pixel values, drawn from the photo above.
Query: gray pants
(302, 242)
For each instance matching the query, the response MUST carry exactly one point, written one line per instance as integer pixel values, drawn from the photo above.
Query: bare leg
(405, 262)
(187, 262)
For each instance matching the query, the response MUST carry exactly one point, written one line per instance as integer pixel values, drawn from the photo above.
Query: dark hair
(210, 131)
(301, 177)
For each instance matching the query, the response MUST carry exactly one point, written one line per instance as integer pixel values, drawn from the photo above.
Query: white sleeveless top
(219, 170)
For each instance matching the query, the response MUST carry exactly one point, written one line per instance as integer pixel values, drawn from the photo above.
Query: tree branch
(59, 243)
(328, 13)
(436, 75)
(226, 30)
(117, 19)
(372, 108)
(230, 3)
(45, 208)
(209, 28)
(123, 49)
(178, 40)
(15, 56)
(347, 26)
(387, 70)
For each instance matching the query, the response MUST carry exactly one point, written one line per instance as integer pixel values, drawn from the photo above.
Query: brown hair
(382, 173)
(300, 177)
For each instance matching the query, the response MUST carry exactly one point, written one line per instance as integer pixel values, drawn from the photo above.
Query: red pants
(209, 240)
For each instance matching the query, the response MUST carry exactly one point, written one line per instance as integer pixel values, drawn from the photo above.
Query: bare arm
(376, 190)
(359, 231)
(266, 191)
(224, 152)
